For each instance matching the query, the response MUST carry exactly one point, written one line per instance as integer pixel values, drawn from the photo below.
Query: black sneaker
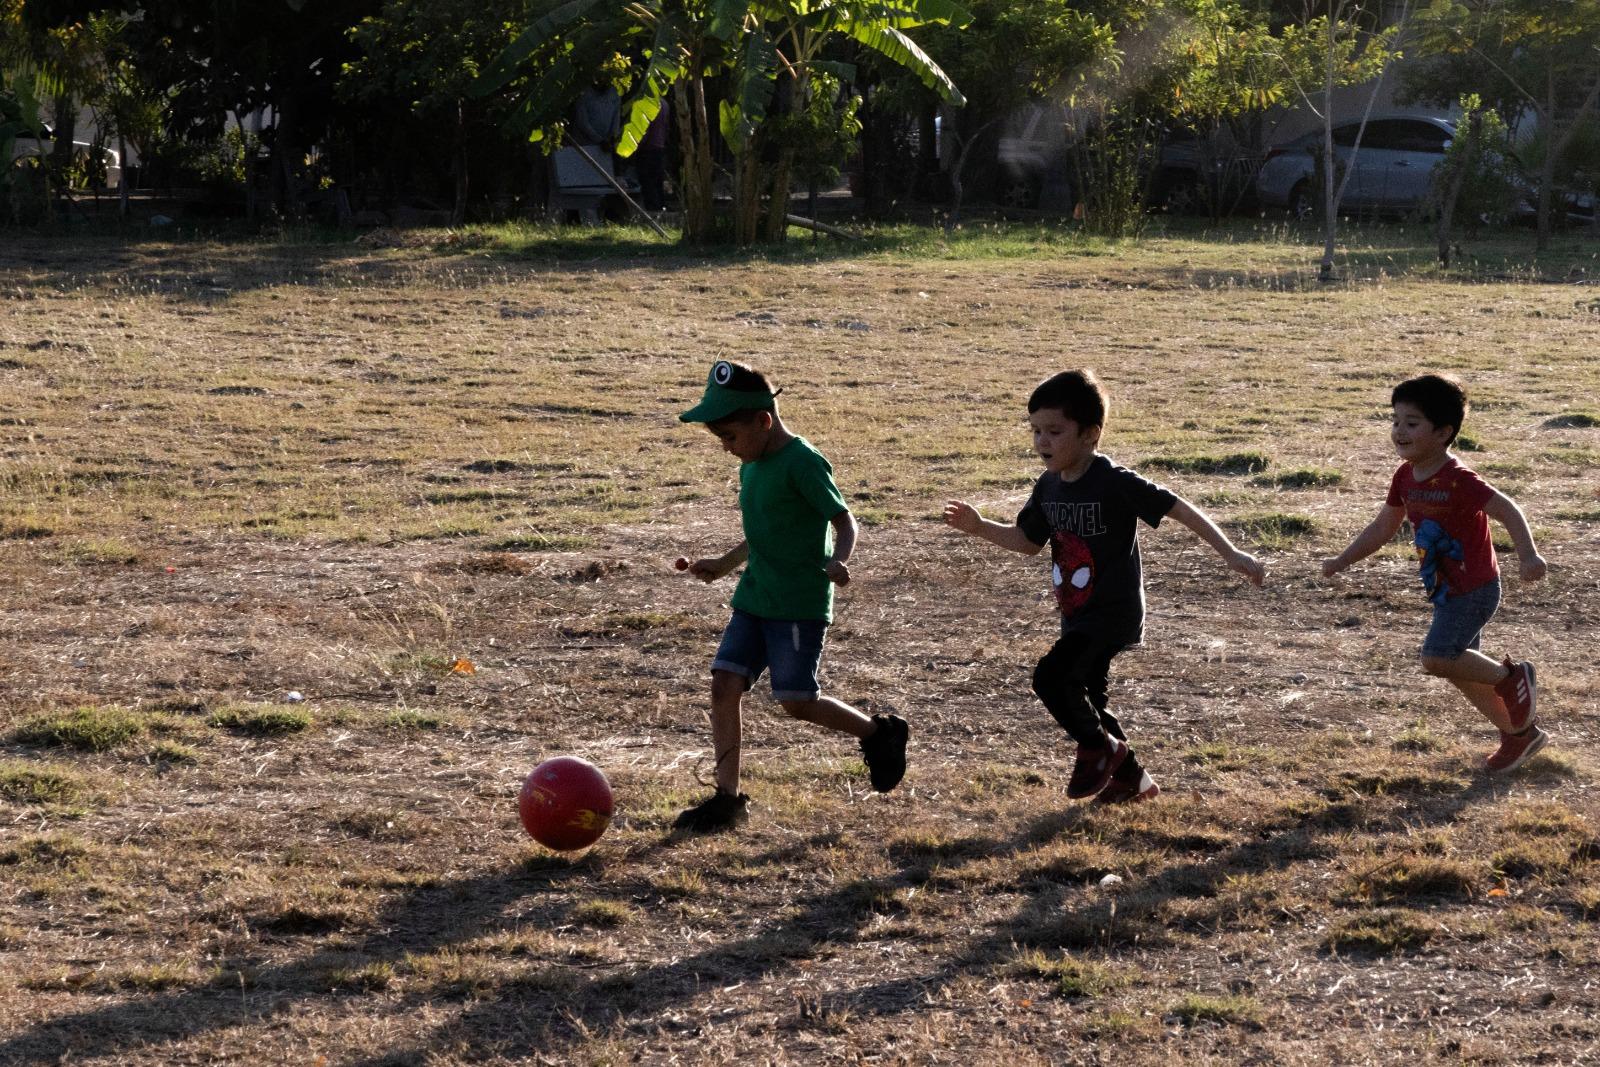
(885, 752)
(719, 811)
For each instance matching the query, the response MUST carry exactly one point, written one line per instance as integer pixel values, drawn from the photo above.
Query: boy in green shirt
(784, 601)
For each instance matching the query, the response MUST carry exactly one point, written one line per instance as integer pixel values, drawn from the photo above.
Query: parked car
(1393, 167)
(106, 162)
(1192, 177)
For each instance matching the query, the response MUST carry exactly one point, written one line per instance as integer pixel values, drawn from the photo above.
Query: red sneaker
(1516, 749)
(1129, 790)
(1095, 767)
(1518, 692)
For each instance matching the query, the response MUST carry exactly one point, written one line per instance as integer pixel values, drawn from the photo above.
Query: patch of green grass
(1586, 458)
(261, 720)
(173, 752)
(1416, 738)
(1465, 442)
(1302, 478)
(678, 883)
(1071, 977)
(1573, 420)
(1549, 818)
(1532, 858)
(1232, 463)
(602, 913)
(104, 551)
(1222, 756)
(28, 783)
(87, 729)
(934, 845)
(1411, 877)
(409, 719)
(1274, 530)
(49, 850)
(1380, 933)
(538, 543)
(365, 979)
(1233, 1010)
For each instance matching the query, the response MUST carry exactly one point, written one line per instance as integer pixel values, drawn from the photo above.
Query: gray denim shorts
(1458, 623)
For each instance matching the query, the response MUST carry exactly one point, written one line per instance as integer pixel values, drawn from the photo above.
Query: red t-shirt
(1451, 531)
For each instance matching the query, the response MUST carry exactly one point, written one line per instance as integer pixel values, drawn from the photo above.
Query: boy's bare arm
(1504, 510)
(1379, 532)
(1186, 514)
(709, 570)
(844, 543)
(969, 520)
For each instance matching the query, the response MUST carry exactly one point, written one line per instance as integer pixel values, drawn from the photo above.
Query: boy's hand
(707, 570)
(838, 573)
(1532, 567)
(1330, 567)
(962, 516)
(1249, 566)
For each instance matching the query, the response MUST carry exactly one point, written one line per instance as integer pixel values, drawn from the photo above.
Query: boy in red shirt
(1449, 507)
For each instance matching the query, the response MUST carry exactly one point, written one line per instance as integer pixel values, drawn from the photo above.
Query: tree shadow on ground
(556, 1016)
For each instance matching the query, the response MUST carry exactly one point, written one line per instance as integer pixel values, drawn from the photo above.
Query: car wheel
(1018, 192)
(1302, 206)
(1183, 196)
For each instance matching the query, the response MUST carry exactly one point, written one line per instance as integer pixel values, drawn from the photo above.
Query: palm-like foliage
(756, 43)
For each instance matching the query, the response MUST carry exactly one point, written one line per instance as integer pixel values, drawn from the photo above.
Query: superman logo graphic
(1073, 572)
(1439, 558)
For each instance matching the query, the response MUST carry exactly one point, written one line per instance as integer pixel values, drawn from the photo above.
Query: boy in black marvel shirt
(1085, 507)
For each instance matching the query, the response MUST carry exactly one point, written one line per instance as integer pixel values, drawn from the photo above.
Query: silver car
(1392, 170)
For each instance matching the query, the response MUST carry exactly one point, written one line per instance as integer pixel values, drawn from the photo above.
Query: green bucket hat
(722, 399)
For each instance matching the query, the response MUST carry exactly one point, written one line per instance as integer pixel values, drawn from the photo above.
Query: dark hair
(746, 379)
(1077, 393)
(741, 417)
(1440, 398)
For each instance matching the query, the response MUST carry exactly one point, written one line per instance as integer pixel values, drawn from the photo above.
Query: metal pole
(584, 152)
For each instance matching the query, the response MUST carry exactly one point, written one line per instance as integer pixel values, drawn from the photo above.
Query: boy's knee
(1049, 681)
(725, 685)
(798, 709)
(1436, 665)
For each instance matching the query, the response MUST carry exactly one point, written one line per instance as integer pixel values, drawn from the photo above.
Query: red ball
(565, 803)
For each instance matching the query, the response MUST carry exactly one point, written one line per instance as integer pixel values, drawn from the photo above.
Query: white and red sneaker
(1129, 789)
(1519, 694)
(1515, 750)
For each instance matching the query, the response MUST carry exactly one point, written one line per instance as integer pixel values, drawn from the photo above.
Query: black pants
(1072, 680)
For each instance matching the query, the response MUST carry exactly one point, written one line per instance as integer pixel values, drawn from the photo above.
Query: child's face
(1064, 446)
(1414, 437)
(745, 439)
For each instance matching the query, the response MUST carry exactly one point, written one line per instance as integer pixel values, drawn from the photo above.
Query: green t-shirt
(787, 500)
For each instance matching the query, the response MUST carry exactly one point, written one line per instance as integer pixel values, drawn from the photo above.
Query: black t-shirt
(1094, 544)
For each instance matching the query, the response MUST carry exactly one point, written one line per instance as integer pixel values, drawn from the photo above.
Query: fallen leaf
(463, 666)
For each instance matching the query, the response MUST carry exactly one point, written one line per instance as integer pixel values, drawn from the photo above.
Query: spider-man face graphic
(1073, 573)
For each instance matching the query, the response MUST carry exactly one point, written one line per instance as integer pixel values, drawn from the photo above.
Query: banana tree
(755, 43)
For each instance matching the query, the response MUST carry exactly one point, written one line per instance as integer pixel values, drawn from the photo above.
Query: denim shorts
(1458, 623)
(791, 649)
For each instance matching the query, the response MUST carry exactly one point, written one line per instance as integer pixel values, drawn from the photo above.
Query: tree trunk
(458, 165)
(1457, 178)
(122, 182)
(694, 145)
(778, 199)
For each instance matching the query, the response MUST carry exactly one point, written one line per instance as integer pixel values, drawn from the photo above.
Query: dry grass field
(232, 471)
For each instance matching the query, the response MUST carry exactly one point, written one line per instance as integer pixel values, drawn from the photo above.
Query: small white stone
(1110, 880)
(293, 696)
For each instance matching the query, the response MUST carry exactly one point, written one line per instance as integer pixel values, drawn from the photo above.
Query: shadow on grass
(559, 1016)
